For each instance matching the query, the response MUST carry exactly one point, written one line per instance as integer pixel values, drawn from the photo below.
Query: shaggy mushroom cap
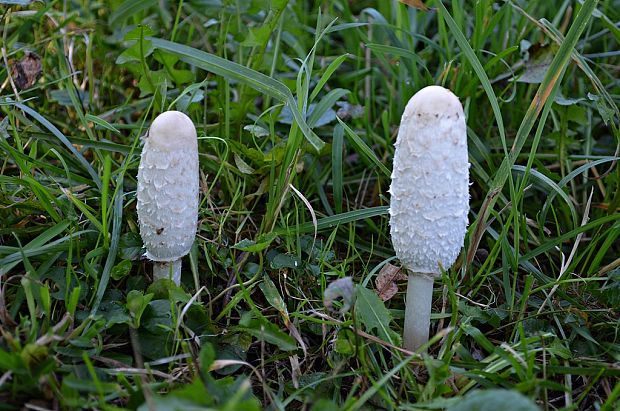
(430, 182)
(167, 191)
(172, 130)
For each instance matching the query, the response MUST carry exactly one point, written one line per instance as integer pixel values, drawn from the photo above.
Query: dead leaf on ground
(418, 4)
(537, 61)
(386, 281)
(26, 71)
(349, 111)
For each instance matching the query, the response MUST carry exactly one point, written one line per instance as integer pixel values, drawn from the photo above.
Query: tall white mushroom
(429, 199)
(168, 192)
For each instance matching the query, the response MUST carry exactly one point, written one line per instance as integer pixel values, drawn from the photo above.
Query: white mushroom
(168, 193)
(429, 199)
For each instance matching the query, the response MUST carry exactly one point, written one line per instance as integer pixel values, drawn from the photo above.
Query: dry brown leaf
(387, 291)
(26, 71)
(296, 335)
(418, 4)
(386, 281)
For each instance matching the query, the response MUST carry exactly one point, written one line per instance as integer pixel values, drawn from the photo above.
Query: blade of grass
(333, 66)
(337, 146)
(368, 394)
(245, 75)
(478, 69)
(548, 87)
(60, 136)
(571, 176)
(101, 123)
(364, 150)
(555, 188)
(117, 222)
(58, 245)
(107, 171)
(43, 195)
(84, 209)
(332, 221)
(325, 104)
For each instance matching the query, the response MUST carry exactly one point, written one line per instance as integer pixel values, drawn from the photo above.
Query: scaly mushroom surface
(429, 199)
(167, 192)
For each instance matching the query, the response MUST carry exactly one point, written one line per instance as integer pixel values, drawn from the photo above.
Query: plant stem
(417, 311)
(167, 269)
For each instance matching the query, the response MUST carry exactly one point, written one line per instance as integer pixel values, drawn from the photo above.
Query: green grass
(297, 107)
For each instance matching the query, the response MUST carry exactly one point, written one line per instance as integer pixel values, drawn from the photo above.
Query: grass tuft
(291, 298)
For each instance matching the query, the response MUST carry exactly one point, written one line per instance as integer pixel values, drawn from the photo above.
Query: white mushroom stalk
(429, 199)
(168, 193)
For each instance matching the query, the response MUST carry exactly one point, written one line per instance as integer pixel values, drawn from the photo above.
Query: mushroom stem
(167, 269)
(417, 310)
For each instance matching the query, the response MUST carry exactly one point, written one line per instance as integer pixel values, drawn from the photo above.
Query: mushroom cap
(167, 193)
(430, 182)
(433, 101)
(171, 129)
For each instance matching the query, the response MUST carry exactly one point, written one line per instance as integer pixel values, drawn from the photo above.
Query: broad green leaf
(285, 261)
(88, 385)
(256, 131)
(114, 313)
(270, 333)
(63, 97)
(157, 317)
(129, 8)
(371, 313)
(492, 400)
(272, 295)
(256, 246)
(130, 246)
(136, 52)
(138, 32)
(257, 36)
(136, 304)
(120, 270)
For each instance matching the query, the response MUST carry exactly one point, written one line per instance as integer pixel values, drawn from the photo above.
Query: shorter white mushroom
(168, 193)
(429, 199)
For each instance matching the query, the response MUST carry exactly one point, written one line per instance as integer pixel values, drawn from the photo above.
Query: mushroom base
(417, 311)
(167, 269)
